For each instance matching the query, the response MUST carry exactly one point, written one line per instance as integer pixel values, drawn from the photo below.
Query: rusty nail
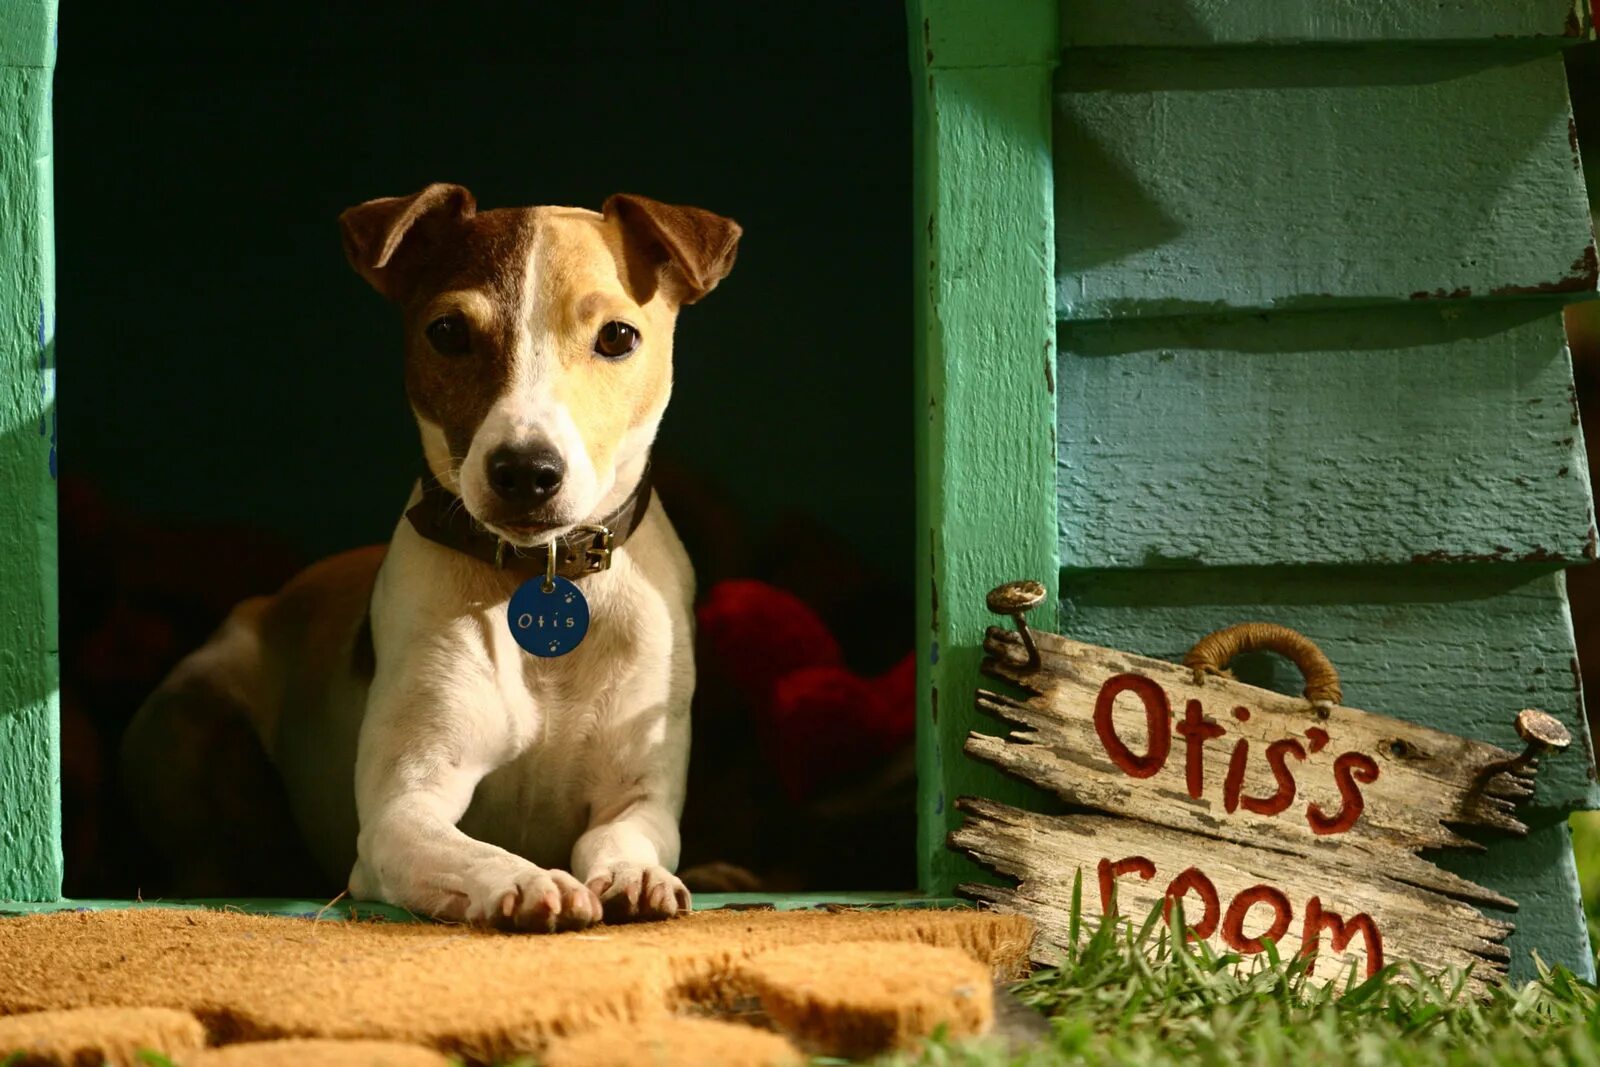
(1543, 733)
(1016, 599)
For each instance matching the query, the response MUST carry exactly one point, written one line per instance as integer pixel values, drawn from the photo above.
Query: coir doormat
(487, 997)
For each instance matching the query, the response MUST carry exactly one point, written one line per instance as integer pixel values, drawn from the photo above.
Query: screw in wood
(1016, 599)
(1543, 733)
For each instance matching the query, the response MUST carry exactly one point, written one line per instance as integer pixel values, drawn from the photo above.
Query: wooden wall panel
(985, 391)
(1208, 180)
(1393, 435)
(30, 786)
(1188, 23)
(1459, 648)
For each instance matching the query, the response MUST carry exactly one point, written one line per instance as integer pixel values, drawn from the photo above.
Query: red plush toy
(818, 720)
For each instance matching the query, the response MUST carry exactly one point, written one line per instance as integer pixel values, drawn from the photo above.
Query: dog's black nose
(526, 477)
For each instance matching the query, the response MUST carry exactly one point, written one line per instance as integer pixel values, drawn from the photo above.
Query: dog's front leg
(636, 785)
(423, 750)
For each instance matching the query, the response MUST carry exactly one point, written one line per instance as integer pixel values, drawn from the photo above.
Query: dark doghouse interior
(231, 403)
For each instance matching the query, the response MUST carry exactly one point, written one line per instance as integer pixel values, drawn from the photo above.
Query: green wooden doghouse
(1228, 309)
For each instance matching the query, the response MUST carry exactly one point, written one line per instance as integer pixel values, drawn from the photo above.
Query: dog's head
(538, 340)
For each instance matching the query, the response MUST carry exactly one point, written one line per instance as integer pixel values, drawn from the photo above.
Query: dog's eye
(449, 334)
(616, 339)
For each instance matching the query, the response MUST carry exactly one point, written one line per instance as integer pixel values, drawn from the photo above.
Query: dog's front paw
(514, 893)
(629, 893)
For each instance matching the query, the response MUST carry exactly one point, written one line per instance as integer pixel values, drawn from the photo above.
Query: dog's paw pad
(629, 893)
(525, 897)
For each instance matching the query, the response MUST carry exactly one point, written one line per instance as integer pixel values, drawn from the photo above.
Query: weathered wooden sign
(1267, 816)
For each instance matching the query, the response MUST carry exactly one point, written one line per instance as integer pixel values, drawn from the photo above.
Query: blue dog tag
(548, 624)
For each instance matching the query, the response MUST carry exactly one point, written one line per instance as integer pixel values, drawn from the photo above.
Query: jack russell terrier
(486, 721)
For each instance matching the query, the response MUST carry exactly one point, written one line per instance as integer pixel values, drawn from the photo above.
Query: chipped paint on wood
(1427, 786)
(1362, 183)
(30, 798)
(1242, 797)
(985, 413)
(1283, 178)
(1451, 647)
(1394, 435)
(1232, 894)
(996, 33)
(1200, 23)
(1446, 647)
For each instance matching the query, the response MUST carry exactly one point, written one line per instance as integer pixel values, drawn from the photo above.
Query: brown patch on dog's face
(541, 331)
(453, 390)
(476, 274)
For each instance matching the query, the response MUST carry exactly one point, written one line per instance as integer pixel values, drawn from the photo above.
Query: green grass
(1113, 1001)
(1586, 846)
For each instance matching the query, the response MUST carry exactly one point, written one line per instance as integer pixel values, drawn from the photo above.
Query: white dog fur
(455, 774)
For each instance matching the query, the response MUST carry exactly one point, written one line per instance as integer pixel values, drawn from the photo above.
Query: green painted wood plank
(1198, 181)
(30, 788)
(1461, 648)
(28, 34)
(1417, 433)
(1193, 23)
(366, 909)
(1457, 648)
(995, 33)
(985, 414)
(1540, 873)
(336, 910)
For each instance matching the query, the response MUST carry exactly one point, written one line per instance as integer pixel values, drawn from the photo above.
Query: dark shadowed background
(231, 403)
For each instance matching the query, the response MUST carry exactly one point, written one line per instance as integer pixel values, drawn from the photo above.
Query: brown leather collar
(443, 519)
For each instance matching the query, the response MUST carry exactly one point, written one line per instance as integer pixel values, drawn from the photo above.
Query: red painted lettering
(1233, 785)
(1233, 923)
(1318, 738)
(1348, 769)
(1211, 907)
(1340, 933)
(1196, 730)
(1110, 872)
(1158, 717)
(1277, 757)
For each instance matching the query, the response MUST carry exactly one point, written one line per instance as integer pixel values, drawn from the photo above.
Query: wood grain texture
(1428, 783)
(1049, 853)
(1538, 872)
(1460, 648)
(1393, 435)
(30, 799)
(1199, 181)
(996, 33)
(985, 418)
(1193, 23)
(28, 34)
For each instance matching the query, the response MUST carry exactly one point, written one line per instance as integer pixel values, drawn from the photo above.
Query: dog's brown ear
(374, 232)
(698, 246)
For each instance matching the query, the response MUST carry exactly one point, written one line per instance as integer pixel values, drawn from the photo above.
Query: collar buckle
(597, 556)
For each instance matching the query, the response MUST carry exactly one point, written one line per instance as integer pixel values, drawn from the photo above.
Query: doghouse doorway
(233, 403)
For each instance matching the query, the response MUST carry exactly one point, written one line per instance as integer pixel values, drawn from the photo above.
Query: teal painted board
(985, 401)
(995, 33)
(345, 908)
(28, 34)
(30, 788)
(1191, 23)
(1540, 873)
(1460, 648)
(1415, 433)
(1196, 181)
